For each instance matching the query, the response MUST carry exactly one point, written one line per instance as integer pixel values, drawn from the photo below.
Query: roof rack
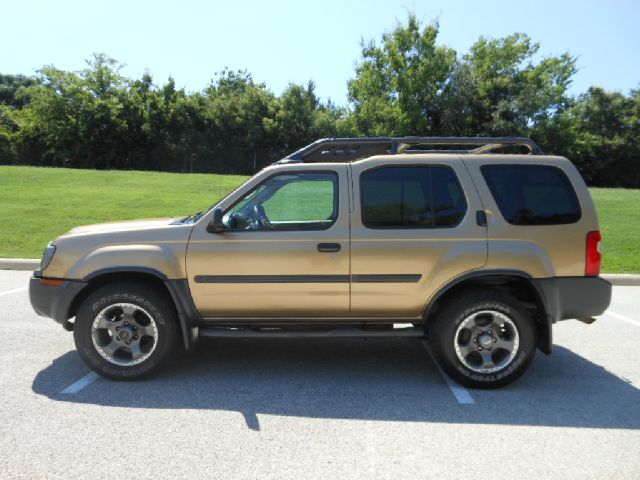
(351, 149)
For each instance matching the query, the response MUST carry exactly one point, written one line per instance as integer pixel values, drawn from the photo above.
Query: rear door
(413, 229)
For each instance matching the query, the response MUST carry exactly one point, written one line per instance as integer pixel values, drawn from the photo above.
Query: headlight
(47, 256)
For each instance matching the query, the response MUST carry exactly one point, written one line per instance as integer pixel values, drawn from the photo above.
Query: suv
(471, 243)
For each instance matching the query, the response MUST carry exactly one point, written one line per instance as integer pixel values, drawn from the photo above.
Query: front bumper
(574, 297)
(54, 301)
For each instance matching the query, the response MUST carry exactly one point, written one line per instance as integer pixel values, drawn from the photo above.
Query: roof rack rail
(350, 149)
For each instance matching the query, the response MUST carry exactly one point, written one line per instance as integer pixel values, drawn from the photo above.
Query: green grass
(38, 204)
(619, 214)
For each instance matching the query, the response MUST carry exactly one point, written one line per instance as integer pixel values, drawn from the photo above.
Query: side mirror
(216, 225)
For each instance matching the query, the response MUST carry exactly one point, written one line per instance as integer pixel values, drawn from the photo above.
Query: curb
(617, 279)
(622, 279)
(19, 264)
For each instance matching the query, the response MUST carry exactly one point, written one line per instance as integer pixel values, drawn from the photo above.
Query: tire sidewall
(516, 367)
(100, 300)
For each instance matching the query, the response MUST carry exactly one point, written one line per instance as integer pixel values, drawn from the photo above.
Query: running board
(215, 332)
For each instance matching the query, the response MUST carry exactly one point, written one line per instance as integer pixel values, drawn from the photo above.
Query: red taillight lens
(594, 254)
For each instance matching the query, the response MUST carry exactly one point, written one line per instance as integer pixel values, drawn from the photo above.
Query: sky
(280, 41)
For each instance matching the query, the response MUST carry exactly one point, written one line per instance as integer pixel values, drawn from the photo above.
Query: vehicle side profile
(478, 245)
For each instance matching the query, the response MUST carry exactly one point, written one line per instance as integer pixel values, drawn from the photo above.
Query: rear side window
(532, 194)
(411, 197)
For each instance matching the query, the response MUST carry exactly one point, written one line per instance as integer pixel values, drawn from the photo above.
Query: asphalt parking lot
(348, 408)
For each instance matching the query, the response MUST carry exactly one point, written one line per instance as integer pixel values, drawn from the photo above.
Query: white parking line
(15, 290)
(80, 384)
(623, 318)
(462, 394)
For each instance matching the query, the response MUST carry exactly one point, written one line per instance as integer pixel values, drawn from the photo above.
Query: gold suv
(477, 244)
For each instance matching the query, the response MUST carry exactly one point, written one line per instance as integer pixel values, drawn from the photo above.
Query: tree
(300, 118)
(75, 119)
(497, 88)
(9, 86)
(397, 85)
(606, 137)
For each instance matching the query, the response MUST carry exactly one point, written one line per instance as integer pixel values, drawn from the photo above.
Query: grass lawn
(619, 214)
(38, 204)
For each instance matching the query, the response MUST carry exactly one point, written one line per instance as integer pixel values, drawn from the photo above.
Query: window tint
(532, 194)
(411, 197)
(294, 201)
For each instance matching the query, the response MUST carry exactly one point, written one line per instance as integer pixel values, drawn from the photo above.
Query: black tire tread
(151, 298)
(439, 328)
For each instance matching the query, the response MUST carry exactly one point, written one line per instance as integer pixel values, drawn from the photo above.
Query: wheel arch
(515, 283)
(176, 289)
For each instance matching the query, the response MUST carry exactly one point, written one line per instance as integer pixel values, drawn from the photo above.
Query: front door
(284, 251)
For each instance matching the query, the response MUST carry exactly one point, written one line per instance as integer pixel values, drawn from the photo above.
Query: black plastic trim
(574, 297)
(271, 278)
(329, 247)
(188, 315)
(387, 278)
(220, 332)
(545, 337)
(348, 147)
(367, 278)
(54, 301)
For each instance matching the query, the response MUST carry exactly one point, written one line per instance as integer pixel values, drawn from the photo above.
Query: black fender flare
(178, 288)
(546, 302)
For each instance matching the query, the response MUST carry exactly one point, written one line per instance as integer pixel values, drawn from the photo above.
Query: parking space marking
(462, 394)
(15, 290)
(623, 318)
(82, 383)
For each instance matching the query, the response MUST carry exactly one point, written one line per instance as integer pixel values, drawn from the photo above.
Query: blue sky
(295, 41)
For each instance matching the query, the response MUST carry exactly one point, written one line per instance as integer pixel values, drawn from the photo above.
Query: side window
(411, 197)
(286, 202)
(532, 194)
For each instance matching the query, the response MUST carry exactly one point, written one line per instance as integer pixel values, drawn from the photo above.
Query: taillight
(594, 254)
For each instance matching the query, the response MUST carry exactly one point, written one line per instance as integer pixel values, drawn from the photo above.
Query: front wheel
(125, 331)
(483, 338)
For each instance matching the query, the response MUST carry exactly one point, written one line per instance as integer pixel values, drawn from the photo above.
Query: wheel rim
(486, 341)
(124, 334)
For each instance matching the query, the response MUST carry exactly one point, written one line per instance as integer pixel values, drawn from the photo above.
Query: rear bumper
(53, 301)
(574, 297)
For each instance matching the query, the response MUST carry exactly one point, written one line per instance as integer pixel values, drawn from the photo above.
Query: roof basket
(351, 149)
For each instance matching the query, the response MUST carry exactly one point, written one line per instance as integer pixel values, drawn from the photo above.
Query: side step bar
(216, 332)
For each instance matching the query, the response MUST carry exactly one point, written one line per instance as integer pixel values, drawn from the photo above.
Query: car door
(414, 229)
(284, 252)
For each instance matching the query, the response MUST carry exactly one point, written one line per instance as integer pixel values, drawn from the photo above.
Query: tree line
(405, 83)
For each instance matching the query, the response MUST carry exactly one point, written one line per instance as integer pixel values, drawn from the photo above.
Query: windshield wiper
(192, 218)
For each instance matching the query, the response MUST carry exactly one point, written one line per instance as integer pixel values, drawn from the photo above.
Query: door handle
(481, 218)
(329, 247)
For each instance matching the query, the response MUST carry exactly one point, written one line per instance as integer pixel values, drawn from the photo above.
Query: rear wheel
(125, 330)
(483, 338)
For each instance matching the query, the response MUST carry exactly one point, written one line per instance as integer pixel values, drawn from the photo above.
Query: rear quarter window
(532, 194)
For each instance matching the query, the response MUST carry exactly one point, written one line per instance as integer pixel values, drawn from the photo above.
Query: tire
(126, 330)
(482, 338)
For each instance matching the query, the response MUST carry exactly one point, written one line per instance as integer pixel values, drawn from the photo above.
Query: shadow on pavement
(392, 380)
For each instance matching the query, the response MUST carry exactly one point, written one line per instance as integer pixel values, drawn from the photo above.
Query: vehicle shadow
(391, 380)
